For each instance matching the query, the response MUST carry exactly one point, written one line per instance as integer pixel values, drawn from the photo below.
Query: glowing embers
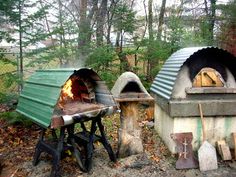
(208, 77)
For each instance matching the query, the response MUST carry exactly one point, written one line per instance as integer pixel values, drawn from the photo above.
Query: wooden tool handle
(203, 123)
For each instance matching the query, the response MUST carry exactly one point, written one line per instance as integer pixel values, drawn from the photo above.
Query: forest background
(110, 36)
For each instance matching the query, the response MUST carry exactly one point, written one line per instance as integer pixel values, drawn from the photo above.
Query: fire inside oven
(77, 95)
(79, 99)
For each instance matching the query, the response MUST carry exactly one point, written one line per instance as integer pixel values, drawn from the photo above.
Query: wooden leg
(105, 141)
(83, 126)
(88, 162)
(76, 152)
(57, 154)
(38, 149)
(54, 135)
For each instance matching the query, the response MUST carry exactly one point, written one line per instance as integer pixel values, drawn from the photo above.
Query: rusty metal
(186, 157)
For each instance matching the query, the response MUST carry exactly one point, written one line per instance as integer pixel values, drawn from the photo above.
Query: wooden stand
(130, 141)
(83, 139)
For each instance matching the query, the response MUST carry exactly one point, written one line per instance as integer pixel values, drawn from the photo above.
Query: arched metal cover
(42, 91)
(165, 80)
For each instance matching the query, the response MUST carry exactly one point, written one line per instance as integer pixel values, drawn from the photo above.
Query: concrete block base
(217, 128)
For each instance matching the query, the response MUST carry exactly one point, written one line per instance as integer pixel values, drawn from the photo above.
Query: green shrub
(8, 99)
(13, 117)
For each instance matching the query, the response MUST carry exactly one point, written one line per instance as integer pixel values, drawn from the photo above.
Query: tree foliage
(108, 35)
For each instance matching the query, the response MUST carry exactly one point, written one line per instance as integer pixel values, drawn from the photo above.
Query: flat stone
(232, 165)
(150, 124)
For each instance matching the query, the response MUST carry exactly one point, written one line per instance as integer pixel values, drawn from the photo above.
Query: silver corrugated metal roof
(165, 80)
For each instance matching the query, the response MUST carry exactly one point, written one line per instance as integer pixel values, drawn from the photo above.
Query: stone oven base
(217, 128)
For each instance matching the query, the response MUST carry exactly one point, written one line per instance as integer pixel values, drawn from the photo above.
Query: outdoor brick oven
(204, 75)
(59, 98)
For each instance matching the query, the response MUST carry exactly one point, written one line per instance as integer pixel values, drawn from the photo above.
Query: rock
(232, 165)
(192, 173)
(150, 124)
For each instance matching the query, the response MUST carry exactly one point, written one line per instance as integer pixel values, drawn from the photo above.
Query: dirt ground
(17, 144)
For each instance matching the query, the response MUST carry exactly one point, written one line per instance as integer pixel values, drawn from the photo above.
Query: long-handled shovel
(206, 153)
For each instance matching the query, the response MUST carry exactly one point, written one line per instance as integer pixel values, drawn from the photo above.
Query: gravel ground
(140, 165)
(17, 145)
(133, 166)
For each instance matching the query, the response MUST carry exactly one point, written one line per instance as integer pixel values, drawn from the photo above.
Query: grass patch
(13, 117)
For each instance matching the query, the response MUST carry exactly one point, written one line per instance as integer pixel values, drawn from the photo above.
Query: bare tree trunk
(117, 44)
(143, 35)
(150, 20)
(161, 19)
(151, 39)
(47, 25)
(62, 37)
(85, 32)
(100, 22)
(212, 21)
(210, 14)
(83, 27)
(20, 42)
(110, 15)
(206, 7)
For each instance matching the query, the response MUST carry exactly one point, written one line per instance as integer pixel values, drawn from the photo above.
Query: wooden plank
(197, 81)
(234, 140)
(223, 150)
(218, 144)
(208, 77)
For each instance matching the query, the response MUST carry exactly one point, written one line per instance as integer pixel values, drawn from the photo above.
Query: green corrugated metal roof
(40, 94)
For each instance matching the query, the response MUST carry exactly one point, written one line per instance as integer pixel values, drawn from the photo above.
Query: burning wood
(66, 94)
(77, 100)
(76, 89)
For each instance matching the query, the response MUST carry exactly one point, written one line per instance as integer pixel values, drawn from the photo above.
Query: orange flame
(66, 91)
(66, 94)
